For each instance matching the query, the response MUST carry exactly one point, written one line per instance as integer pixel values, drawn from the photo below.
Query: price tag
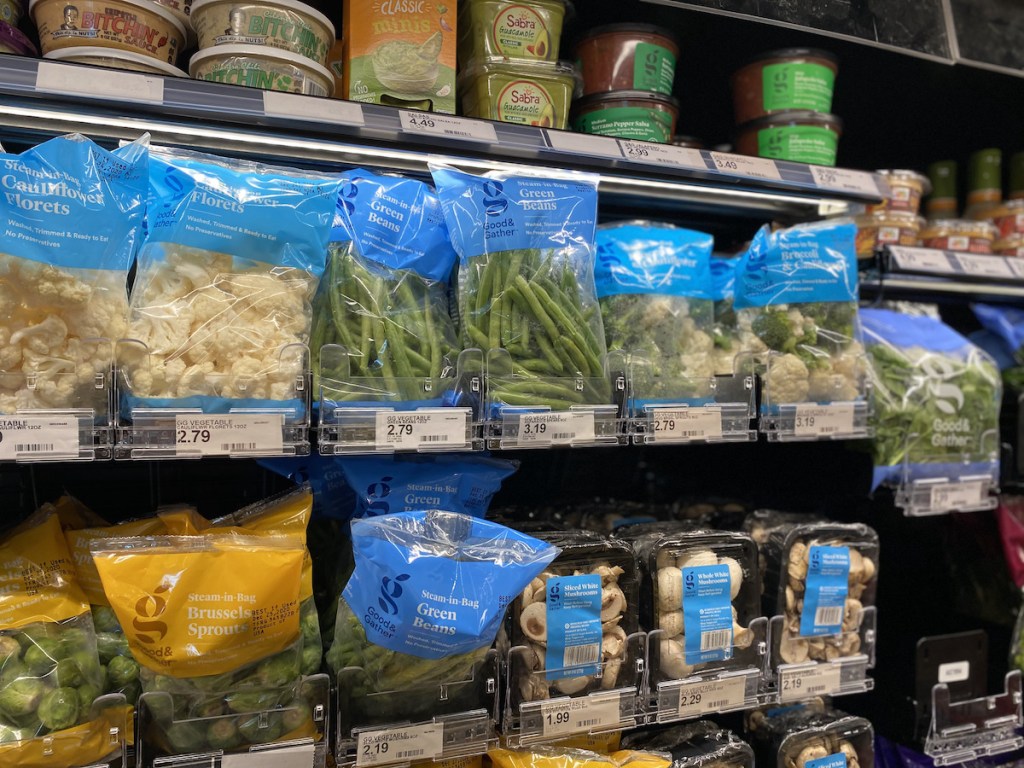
(796, 684)
(823, 420)
(582, 144)
(434, 124)
(954, 672)
(422, 429)
(951, 496)
(42, 437)
(1016, 266)
(400, 745)
(585, 714)
(741, 165)
(123, 86)
(921, 260)
(843, 180)
(984, 266)
(699, 423)
(700, 698)
(662, 154)
(556, 428)
(235, 433)
(296, 105)
(301, 756)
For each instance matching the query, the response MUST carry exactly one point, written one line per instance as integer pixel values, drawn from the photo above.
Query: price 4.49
(421, 122)
(191, 436)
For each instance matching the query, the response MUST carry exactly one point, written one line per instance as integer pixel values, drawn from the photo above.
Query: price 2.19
(191, 436)
(792, 683)
(558, 718)
(377, 748)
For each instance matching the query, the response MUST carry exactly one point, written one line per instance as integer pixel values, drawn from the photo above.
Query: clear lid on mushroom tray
(810, 738)
(700, 744)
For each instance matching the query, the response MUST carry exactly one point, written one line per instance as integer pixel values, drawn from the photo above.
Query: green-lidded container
(942, 203)
(984, 183)
(627, 57)
(516, 29)
(633, 115)
(1017, 176)
(800, 136)
(788, 79)
(522, 92)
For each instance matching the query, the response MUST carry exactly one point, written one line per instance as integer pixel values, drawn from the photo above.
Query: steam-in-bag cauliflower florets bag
(71, 214)
(231, 259)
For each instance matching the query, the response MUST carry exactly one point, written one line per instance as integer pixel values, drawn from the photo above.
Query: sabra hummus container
(522, 92)
(11, 12)
(1009, 218)
(136, 26)
(259, 67)
(1010, 246)
(886, 228)
(13, 41)
(517, 29)
(784, 80)
(906, 188)
(627, 57)
(282, 24)
(108, 57)
(963, 235)
(635, 115)
(802, 137)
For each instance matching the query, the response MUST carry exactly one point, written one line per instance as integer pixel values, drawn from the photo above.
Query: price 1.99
(558, 718)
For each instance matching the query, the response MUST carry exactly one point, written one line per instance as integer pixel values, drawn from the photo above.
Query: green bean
(513, 398)
(543, 388)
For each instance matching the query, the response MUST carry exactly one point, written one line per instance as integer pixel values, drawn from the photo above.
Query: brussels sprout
(33, 633)
(10, 649)
(249, 727)
(311, 657)
(296, 716)
(104, 619)
(22, 696)
(208, 707)
(121, 670)
(9, 735)
(42, 657)
(132, 691)
(160, 706)
(68, 674)
(111, 644)
(59, 709)
(309, 625)
(223, 734)
(251, 701)
(73, 639)
(279, 670)
(87, 694)
(186, 737)
(11, 671)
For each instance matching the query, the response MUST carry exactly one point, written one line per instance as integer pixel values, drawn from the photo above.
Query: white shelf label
(1016, 265)
(301, 756)
(796, 684)
(220, 435)
(43, 437)
(422, 429)
(582, 715)
(984, 266)
(56, 77)
(400, 745)
(434, 124)
(954, 672)
(583, 144)
(921, 260)
(334, 111)
(823, 420)
(700, 698)
(742, 165)
(952, 496)
(843, 180)
(662, 154)
(698, 423)
(556, 428)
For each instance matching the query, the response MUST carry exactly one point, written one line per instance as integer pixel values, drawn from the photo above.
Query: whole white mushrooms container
(812, 736)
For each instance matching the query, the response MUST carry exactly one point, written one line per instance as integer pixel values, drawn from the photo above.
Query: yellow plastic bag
(549, 757)
(82, 745)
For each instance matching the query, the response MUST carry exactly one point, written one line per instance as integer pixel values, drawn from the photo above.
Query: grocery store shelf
(43, 98)
(933, 275)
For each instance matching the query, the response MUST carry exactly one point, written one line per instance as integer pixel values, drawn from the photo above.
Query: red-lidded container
(785, 80)
(906, 188)
(627, 57)
(1009, 218)
(964, 235)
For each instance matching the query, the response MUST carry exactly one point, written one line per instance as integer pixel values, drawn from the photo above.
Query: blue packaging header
(723, 277)
(653, 259)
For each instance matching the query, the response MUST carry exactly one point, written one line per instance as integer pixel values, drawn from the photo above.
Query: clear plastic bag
(695, 745)
(728, 343)
(72, 213)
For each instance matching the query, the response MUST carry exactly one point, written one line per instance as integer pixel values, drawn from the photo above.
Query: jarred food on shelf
(523, 92)
(801, 137)
(964, 235)
(886, 227)
(11, 11)
(636, 115)
(627, 57)
(266, 68)
(283, 24)
(517, 29)
(784, 80)
(14, 41)
(115, 59)
(906, 188)
(1009, 218)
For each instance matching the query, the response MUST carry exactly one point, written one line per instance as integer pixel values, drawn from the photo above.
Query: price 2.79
(399, 430)
(665, 425)
(192, 436)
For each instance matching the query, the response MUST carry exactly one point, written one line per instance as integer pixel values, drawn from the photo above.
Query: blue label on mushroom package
(574, 626)
(707, 613)
(828, 579)
(837, 760)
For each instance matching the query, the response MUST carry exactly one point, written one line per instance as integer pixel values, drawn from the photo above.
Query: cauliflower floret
(163, 334)
(825, 386)
(196, 380)
(57, 391)
(700, 343)
(43, 338)
(787, 380)
(851, 362)
(8, 300)
(46, 366)
(105, 317)
(200, 268)
(10, 357)
(656, 311)
(724, 361)
(53, 286)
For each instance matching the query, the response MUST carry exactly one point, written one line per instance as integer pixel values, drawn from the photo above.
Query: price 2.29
(192, 436)
(691, 700)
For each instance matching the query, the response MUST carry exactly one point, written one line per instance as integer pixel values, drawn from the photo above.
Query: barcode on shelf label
(663, 154)
(829, 615)
(823, 420)
(700, 698)
(697, 423)
(220, 435)
(984, 266)
(796, 684)
(956, 496)
(433, 427)
(843, 180)
(582, 144)
(718, 639)
(57, 77)
(742, 165)
(575, 655)
(434, 124)
(293, 756)
(44, 437)
(296, 105)
(921, 260)
(397, 745)
(589, 713)
(556, 428)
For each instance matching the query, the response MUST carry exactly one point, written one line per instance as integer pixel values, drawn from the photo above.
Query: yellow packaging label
(204, 605)
(550, 758)
(182, 520)
(84, 744)
(74, 514)
(80, 541)
(37, 576)
(473, 761)
(636, 759)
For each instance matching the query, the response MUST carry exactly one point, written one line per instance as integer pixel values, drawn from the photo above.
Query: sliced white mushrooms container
(573, 629)
(699, 744)
(810, 738)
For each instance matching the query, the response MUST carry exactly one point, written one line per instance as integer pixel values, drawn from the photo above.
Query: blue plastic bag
(333, 499)
(1005, 322)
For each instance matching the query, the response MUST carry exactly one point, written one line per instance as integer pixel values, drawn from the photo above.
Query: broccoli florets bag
(937, 399)
(654, 288)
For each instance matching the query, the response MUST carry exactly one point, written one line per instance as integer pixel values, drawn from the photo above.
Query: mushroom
(613, 602)
(696, 559)
(852, 615)
(852, 758)
(539, 653)
(613, 644)
(856, 575)
(534, 622)
(608, 626)
(742, 637)
(539, 584)
(868, 571)
(527, 596)
(671, 622)
(812, 752)
(572, 685)
(850, 645)
(608, 573)
(670, 589)
(735, 576)
(857, 590)
(790, 599)
(534, 688)
(673, 658)
(793, 649)
(797, 567)
(611, 674)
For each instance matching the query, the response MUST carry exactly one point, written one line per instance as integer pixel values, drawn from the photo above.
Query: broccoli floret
(122, 670)
(22, 696)
(59, 709)
(773, 328)
(223, 734)
(311, 657)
